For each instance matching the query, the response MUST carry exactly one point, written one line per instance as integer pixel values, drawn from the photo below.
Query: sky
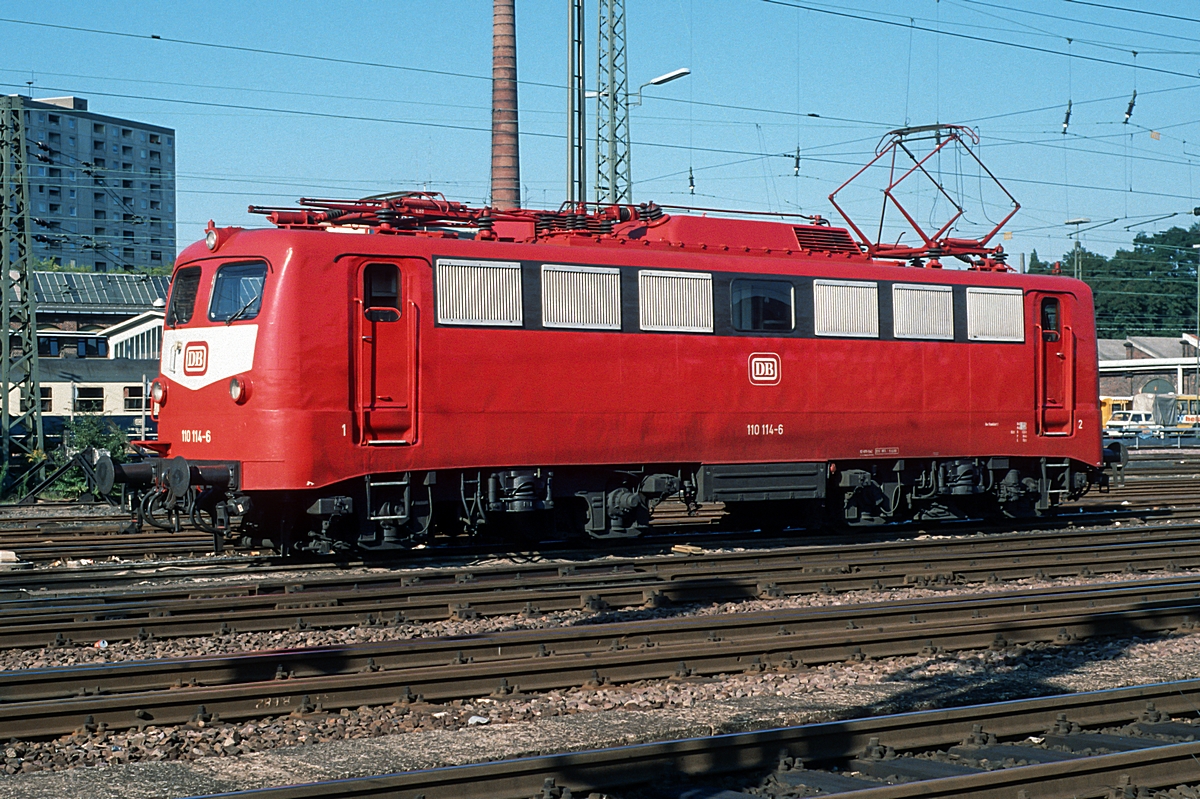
(273, 101)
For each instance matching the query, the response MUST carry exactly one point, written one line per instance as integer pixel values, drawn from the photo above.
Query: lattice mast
(576, 110)
(613, 180)
(20, 392)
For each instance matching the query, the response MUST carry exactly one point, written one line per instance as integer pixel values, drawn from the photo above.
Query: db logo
(764, 369)
(195, 358)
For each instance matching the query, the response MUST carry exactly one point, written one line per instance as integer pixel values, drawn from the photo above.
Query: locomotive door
(386, 357)
(1055, 359)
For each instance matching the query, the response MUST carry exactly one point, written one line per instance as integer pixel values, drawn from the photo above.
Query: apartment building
(102, 189)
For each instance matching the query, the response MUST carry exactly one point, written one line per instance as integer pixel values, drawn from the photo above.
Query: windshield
(183, 296)
(237, 292)
(1120, 417)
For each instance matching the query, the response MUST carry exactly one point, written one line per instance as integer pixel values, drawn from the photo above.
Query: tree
(1149, 290)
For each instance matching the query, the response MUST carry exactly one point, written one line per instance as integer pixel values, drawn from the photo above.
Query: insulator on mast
(1067, 118)
(1129, 110)
(691, 182)
(796, 168)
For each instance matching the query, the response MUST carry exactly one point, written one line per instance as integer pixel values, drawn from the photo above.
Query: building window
(71, 141)
(155, 138)
(98, 146)
(126, 133)
(98, 128)
(89, 399)
(71, 193)
(156, 255)
(54, 119)
(47, 347)
(71, 123)
(71, 210)
(47, 397)
(55, 138)
(133, 398)
(91, 348)
(101, 266)
(127, 151)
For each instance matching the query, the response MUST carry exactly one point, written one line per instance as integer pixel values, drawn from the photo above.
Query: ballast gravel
(198, 758)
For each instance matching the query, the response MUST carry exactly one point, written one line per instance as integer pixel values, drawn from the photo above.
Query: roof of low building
(98, 292)
(95, 370)
(1111, 349)
(1158, 346)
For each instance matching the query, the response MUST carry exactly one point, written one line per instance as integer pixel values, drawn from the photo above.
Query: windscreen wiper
(237, 314)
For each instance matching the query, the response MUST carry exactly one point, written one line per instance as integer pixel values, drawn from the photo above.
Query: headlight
(158, 392)
(210, 239)
(239, 390)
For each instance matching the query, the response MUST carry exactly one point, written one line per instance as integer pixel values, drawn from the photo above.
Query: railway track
(41, 703)
(50, 532)
(381, 598)
(1104, 743)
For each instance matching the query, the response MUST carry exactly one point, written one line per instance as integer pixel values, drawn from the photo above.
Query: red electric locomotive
(439, 368)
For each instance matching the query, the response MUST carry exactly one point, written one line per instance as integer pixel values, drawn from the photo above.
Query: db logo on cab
(195, 358)
(764, 369)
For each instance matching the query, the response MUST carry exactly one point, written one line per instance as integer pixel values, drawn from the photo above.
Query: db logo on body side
(195, 358)
(764, 369)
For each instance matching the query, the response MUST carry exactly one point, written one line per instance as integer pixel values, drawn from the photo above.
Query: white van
(1131, 423)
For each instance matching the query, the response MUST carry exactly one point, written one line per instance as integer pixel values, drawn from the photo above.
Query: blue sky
(256, 127)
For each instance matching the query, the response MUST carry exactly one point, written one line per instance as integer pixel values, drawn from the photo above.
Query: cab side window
(1050, 319)
(183, 296)
(381, 292)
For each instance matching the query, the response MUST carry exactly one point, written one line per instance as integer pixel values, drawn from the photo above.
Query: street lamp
(1082, 220)
(674, 74)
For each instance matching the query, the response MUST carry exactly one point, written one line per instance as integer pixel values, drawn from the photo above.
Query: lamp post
(1082, 220)
(614, 181)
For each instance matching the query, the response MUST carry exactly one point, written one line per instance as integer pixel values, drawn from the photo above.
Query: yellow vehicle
(1109, 405)
(1187, 410)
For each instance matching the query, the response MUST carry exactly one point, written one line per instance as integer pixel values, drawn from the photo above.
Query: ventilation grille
(479, 293)
(923, 312)
(675, 302)
(846, 308)
(995, 314)
(581, 297)
(825, 239)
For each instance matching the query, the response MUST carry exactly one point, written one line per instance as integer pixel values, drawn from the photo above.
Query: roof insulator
(1129, 110)
(1067, 118)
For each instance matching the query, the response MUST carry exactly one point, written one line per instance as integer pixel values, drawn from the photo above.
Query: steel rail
(605, 585)
(562, 658)
(26, 685)
(831, 742)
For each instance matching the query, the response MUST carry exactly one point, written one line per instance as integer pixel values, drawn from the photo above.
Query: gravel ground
(282, 750)
(198, 759)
